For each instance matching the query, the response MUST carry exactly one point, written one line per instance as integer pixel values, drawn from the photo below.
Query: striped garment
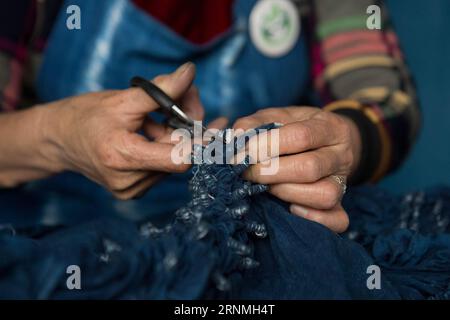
(361, 73)
(358, 73)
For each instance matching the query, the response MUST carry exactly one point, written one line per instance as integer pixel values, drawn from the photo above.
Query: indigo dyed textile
(233, 240)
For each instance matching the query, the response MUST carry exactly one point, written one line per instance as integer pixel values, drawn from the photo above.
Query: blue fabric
(118, 41)
(407, 234)
(234, 241)
(199, 254)
(303, 260)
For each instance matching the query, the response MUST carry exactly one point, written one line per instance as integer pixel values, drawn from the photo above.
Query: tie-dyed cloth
(232, 240)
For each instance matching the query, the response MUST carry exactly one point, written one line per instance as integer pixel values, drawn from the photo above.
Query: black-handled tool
(177, 118)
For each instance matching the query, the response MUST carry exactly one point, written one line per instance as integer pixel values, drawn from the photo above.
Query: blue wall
(424, 31)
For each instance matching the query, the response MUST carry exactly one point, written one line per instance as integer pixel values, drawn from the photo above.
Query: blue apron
(117, 41)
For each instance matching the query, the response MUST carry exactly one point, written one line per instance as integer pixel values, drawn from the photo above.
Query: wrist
(50, 126)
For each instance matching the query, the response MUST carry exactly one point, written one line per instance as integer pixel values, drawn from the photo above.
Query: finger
(142, 154)
(262, 117)
(174, 85)
(282, 115)
(153, 129)
(219, 123)
(324, 194)
(138, 190)
(294, 137)
(335, 219)
(158, 132)
(304, 167)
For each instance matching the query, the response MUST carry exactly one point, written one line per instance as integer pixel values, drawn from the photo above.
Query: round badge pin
(274, 27)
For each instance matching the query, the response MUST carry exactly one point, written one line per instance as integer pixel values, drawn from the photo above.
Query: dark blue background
(424, 31)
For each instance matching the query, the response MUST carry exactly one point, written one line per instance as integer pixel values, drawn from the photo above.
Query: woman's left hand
(318, 151)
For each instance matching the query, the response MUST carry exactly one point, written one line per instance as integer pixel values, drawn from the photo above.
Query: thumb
(175, 85)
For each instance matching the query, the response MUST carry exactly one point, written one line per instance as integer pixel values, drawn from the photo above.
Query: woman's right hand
(96, 134)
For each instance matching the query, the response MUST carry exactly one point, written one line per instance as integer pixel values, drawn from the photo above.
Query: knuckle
(124, 153)
(300, 136)
(128, 150)
(111, 104)
(325, 116)
(305, 136)
(108, 157)
(309, 168)
(126, 96)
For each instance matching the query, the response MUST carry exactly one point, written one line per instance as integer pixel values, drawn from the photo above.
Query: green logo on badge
(276, 26)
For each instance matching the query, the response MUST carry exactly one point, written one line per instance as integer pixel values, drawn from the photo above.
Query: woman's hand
(318, 150)
(97, 135)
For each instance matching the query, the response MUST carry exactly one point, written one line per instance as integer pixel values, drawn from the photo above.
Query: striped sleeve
(361, 73)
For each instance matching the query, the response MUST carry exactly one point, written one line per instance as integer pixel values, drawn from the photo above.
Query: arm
(27, 153)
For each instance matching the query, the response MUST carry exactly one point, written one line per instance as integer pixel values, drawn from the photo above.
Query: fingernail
(183, 68)
(299, 210)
